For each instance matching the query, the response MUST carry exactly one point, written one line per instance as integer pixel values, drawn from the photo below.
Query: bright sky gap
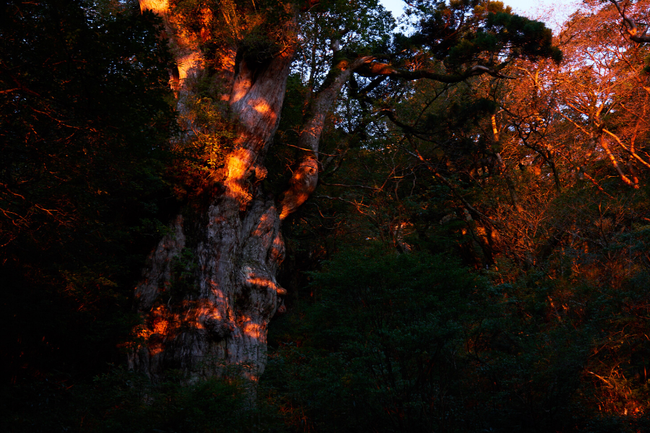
(552, 12)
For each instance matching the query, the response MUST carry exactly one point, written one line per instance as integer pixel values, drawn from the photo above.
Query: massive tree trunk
(209, 290)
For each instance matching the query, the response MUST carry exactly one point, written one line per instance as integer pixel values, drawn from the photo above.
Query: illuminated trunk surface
(209, 290)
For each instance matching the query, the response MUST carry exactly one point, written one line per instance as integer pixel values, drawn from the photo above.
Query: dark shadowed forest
(312, 216)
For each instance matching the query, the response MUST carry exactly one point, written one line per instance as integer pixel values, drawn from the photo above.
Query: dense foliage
(539, 184)
(122, 401)
(86, 120)
(384, 339)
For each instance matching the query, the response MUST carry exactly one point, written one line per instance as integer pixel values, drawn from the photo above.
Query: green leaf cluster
(481, 32)
(384, 342)
(122, 401)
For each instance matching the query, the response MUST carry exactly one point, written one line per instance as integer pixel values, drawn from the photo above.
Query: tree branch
(305, 177)
(612, 158)
(631, 152)
(453, 189)
(631, 26)
(372, 188)
(376, 69)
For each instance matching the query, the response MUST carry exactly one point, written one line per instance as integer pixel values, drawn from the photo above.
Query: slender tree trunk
(209, 290)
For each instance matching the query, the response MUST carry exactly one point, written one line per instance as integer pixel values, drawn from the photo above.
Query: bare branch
(372, 188)
(453, 189)
(631, 26)
(620, 143)
(310, 150)
(612, 158)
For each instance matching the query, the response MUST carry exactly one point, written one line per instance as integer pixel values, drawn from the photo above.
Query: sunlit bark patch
(263, 108)
(240, 88)
(254, 330)
(157, 6)
(216, 291)
(162, 324)
(259, 280)
(238, 165)
(188, 62)
(267, 283)
(303, 183)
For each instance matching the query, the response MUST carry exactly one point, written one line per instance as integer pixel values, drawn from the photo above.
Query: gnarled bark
(209, 290)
